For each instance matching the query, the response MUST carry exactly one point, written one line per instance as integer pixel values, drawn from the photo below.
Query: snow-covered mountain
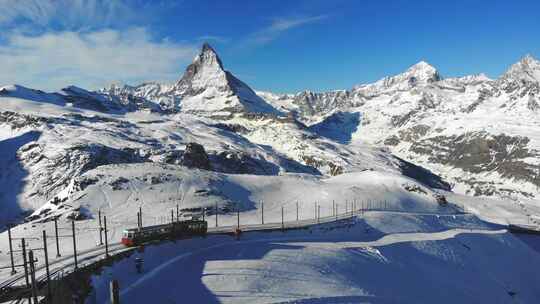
(479, 134)
(206, 88)
(207, 120)
(483, 135)
(209, 142)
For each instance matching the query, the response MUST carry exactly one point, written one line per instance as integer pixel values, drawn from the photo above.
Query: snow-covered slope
(483, 135)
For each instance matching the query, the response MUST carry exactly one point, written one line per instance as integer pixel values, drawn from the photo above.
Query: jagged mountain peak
(208, 56)
(527, 70)
(205, 71)
(419, 74)
(423, 72)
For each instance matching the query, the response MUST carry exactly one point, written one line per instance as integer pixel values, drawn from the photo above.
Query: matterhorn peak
(205, 71)
(527, 70)
(208, 56)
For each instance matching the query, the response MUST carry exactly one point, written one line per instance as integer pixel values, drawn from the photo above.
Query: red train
(180, 229)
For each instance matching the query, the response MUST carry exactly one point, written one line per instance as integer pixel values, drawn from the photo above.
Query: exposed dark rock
(235, 128)
(414, 133)
(392, 141)
(480, 152)
(414, 188)
(422, 175)
(195, 157)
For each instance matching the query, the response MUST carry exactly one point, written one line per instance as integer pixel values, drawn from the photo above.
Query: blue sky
(281, 46)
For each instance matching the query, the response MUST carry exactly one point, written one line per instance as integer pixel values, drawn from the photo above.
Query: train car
(180, 229)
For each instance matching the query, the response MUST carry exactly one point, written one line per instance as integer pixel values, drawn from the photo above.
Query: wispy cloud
(90, 59)
(49, 44)
(280, 26)
(67, 14)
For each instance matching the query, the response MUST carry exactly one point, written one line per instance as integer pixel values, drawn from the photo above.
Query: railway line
(66, 264)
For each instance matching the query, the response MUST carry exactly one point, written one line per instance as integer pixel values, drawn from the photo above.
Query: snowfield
(450, 261)
(208, 144)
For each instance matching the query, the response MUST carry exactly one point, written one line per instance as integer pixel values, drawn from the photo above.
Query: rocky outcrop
(195, 157)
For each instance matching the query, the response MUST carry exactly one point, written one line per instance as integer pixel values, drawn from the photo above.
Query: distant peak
(422, 66)
(529, 60)
(526, 69)
(422, 72)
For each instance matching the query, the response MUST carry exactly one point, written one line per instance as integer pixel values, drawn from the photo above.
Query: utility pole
(177, 213)
(216, 215)
(106, 238)
(46, 252)
(56, 236)
(13, 271)
(318, 213)
(336, 212)
(74, 244)
(297, 211)
(333, 208)
(33, 275)
(100, 228)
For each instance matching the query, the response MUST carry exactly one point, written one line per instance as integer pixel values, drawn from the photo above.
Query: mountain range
(471, 135)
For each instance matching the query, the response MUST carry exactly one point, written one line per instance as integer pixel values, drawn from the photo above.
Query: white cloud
(90, 59)
(67, 14)
(279, 26)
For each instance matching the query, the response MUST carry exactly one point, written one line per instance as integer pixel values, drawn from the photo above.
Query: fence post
(140, 216)
(56, 236)
(33, 275)
(100, 229)
(74, 244)
(238, 216)
(333, 207)
(336, 211)
(106, 238)
(114, 292)
(297, 211)
(25, 262)
(318, 213)
(216, 215)
(46, 253)
(282, 221)
(262, 212)
(13, 271)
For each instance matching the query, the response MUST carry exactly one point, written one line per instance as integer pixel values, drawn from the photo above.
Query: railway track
(66, 263)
